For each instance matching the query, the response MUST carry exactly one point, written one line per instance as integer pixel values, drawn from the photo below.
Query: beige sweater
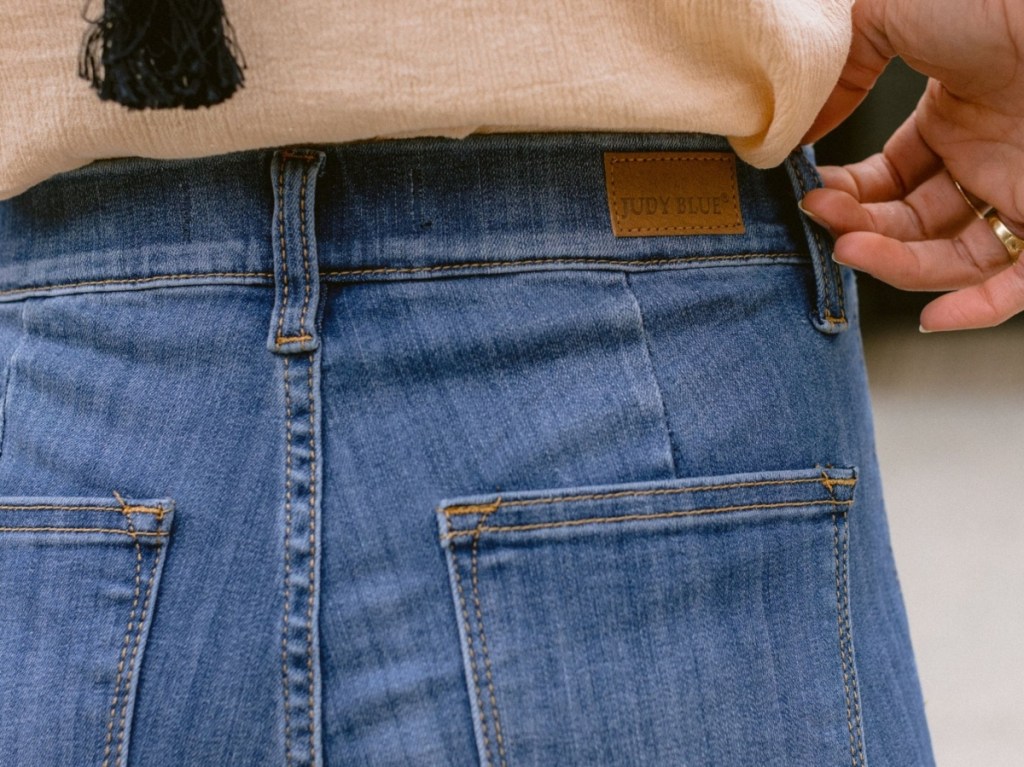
(756, 71)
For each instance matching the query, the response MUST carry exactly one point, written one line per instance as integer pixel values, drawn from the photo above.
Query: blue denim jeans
(391, 453)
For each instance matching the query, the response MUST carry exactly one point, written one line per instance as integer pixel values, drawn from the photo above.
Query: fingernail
(922, 329)
(814, 218)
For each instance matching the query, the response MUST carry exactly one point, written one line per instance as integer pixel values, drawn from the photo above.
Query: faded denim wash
(390, 453)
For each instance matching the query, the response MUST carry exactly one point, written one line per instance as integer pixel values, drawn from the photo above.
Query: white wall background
(949, 419)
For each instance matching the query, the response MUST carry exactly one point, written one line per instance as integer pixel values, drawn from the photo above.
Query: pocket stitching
(840, 509)
(825, 480)
(483, 644)
(638, 517)
(127, 639)
(846, 656)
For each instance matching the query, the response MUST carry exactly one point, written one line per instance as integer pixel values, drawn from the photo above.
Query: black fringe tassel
(161, 54)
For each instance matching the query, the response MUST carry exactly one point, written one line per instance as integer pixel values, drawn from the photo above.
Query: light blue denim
(390, 453)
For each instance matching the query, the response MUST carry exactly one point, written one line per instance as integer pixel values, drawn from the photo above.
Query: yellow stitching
(283, 247)
(287, 563)
(612, 261)
(469, 640)
(829, 483)
(133, 280)
(305, 247)
(293, 339)
(479, 508)
(475, 508)
(638, 517)
(135, 652)
(312, 554)
(157, 510)
(124, 646)
(127, 508)
(80, 530)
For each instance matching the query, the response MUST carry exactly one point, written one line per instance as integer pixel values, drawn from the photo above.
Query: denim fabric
(390, 453)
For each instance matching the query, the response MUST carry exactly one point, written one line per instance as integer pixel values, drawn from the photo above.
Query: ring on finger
(1013, 243)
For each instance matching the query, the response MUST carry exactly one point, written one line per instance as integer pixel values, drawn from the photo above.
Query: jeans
(392, 453)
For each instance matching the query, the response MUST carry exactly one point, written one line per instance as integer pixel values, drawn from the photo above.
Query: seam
(639, 517)
(855, 687)
(520, 261)
(468, 630)
(654, 374)
(312, 561)
(135, 651)
(477, 508)
(156, 510)
(393, 270)
(842, 642)
(474, 569)
(287, 564)
(108, 745)
(132, 281)
(127, 509)
(136, 534)
(281, 244)
(305, 249)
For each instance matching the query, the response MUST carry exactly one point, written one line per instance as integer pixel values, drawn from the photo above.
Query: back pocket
(78, 585)
(700, 621)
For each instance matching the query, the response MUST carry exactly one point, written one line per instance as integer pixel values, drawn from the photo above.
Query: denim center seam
(287, 565)
(293, 335)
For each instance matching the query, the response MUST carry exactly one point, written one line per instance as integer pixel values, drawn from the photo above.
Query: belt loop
(293, 323)
(830, 310)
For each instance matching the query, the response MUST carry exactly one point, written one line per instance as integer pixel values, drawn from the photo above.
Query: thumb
(869, 54)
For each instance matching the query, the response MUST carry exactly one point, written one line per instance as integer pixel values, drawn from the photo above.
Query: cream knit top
(324, 71)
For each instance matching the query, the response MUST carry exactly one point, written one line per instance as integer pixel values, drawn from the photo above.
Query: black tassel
(160, 54)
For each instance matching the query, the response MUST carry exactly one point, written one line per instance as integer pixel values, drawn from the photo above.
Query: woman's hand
(898, 214)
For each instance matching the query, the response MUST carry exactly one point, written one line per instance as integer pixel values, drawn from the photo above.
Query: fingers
(979, 306)
(904, 163)
(932, 210)
(950, 264)
(868, 57)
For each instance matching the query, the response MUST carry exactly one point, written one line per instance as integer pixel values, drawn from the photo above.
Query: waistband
(387, 209)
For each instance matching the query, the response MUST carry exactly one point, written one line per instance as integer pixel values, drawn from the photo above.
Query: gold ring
(1013, 243)
(979, 212)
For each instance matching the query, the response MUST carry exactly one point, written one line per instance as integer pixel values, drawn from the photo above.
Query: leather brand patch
(658, 194)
